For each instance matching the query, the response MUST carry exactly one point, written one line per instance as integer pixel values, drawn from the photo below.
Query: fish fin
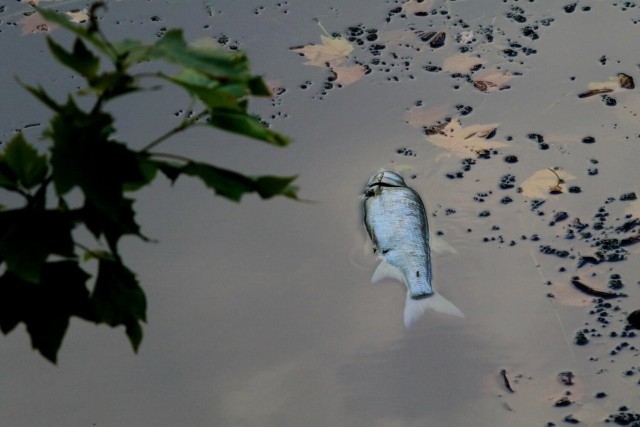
(415, 308)
(440, 246)
(387, 271)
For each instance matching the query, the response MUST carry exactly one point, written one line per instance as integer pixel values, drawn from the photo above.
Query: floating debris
(594, 92)
(438, 40)
(505, 381)
(581, 338)
(566, 377)
(562, 402)
(626, 81)
(634, 319)
(575, 281)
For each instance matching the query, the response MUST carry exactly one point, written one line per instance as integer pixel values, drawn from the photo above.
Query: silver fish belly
(396, 221)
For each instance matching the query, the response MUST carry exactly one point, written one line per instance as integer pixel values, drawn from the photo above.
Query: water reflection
(257, 314)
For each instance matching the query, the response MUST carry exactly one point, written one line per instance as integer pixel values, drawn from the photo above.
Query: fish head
(386, 178)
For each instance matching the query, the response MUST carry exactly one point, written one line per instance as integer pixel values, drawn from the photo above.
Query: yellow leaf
(419, 117)
(35, 23)
(413, 6)
(348, 75)
(633, 208)
(492, 80)
(78, 16)
(332, 51)
(34, 2)
(462, 63)
(613, 85)
(397, 37)
(467, 141)
(538, 185)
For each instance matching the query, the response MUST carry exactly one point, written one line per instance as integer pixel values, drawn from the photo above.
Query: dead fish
(396, 221)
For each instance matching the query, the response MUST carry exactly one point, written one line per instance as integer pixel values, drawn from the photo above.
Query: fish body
(396, 221)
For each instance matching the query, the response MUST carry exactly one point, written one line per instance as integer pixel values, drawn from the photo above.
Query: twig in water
(505, 380)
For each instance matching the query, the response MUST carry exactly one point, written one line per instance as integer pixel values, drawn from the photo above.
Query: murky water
(262, 313)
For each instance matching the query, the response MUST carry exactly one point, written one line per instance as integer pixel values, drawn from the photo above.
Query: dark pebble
(570, 8)
(536, 137)
(438, 40)
(511, 159)
(588, 140)
(569, 419)
(575, 189)
(634, 319)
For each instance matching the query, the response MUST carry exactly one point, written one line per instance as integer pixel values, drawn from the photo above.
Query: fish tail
(415, 308)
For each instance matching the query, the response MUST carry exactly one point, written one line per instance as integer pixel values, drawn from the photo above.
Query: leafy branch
(42, 283)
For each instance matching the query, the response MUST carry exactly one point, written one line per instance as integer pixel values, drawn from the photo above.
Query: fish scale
(396, 221)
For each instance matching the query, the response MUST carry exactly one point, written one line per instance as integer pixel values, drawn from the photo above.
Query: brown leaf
(332, 51)
(626, 81)
(462, 63)
(492, 80)
(465, 141)
(420, 118)
(413, 6)
(78, 16)
(348, 75)
(35, 23)
(539, 185)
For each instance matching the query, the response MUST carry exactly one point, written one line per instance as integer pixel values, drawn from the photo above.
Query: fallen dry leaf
(347, 75)
(397, 37)
(419, 117)
(633, 208)
(332, 51)
(617, 83)
(462, 63)
(34, 2)
(35, 23)
(78, 16)
(413, 6)
(205, 43)
(565, 294)
(492, 80)
(464, 141)
(538, 185)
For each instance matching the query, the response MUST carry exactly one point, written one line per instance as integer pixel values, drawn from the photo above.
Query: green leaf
(245, 124)
(112, 84)
(269, 186)
(119, 222)
(213, 62)
(118, 300)
(210, 92)
(83, 156)
(258, 87)
(45, 307)
(148, 171)
(28, 237)
(226, 183)
(230, 184)
(63, 21)
(28, 167)
(8, 178)
(81, 60)
(42, 96)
